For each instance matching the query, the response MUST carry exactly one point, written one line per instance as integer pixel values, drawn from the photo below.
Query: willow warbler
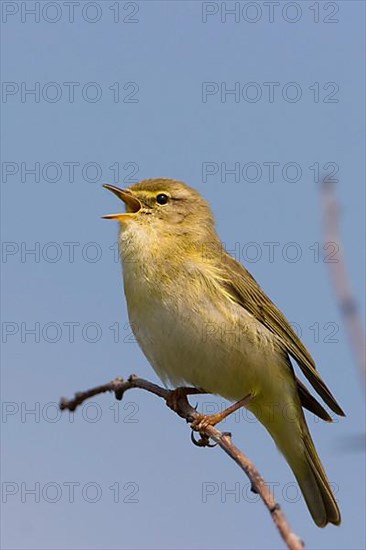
(202, 320)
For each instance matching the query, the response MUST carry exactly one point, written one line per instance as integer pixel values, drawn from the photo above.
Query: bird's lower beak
(133, 205)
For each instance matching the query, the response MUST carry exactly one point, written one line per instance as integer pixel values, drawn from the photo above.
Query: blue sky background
(151, 487)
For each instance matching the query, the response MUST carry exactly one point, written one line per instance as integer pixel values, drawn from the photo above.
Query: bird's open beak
(133, 205)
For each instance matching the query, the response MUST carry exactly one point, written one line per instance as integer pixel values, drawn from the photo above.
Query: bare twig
(184, 410)
(338, 272)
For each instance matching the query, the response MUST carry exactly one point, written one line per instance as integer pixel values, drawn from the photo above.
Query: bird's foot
(199, 424)
(204, 440)
(202, 421)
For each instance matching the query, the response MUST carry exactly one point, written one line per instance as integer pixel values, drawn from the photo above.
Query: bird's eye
(162, 198)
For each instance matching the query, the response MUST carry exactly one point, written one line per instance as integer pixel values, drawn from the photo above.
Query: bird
(202, 320)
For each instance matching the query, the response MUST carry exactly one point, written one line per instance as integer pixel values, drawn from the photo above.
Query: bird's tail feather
(299, 450)
(315, 486)
(294, 441)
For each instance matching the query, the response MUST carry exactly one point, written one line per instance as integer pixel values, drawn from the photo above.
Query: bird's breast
(192, 334)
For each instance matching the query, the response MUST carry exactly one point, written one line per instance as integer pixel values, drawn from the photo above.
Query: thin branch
(337, 267)
(186, 411)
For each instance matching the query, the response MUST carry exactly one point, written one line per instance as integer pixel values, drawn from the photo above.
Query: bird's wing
(245, 291)
(310, 403)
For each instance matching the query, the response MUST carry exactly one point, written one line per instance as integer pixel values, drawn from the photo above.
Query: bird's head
(163, 205)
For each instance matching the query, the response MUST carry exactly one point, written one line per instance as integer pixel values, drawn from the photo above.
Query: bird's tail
(314, 484)
(293, 439)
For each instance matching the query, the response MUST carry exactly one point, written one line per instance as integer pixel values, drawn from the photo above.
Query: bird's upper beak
(133, 205)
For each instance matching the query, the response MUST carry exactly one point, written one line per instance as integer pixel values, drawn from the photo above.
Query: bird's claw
(203, 441)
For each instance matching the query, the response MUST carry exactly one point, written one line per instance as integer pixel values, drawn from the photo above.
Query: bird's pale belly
(227, 355)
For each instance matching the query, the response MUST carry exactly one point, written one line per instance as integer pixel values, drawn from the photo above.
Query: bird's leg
(211, 420)
(175, 395)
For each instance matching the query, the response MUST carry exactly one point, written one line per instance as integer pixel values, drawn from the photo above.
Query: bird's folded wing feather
(244, 289)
